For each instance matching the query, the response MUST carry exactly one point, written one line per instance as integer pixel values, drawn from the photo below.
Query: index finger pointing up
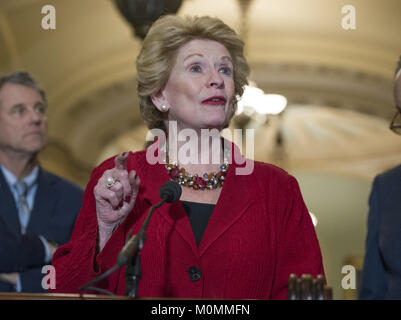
(121, 161)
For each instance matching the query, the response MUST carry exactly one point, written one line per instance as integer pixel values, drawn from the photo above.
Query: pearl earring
(164, 108)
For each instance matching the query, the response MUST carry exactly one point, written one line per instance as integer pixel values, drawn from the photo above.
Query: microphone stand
(133, 271)
(133, 274)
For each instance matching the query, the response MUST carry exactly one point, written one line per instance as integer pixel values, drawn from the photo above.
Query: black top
(198, 215)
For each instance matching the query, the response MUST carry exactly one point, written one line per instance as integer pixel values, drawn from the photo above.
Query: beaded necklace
(208, 181)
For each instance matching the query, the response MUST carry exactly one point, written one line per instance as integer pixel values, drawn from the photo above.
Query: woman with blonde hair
(232, 234)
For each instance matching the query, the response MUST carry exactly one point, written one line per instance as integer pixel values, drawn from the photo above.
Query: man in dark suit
(37, 208)
(381, 274)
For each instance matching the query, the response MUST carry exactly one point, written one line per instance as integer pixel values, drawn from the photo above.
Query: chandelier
(254, 101)
(141, 14)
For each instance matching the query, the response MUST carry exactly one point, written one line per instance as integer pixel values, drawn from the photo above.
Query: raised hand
(115, 195)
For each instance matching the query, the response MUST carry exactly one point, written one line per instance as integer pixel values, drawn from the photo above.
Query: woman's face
(200, 90)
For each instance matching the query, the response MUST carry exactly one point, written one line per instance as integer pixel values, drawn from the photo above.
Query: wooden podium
(60, 296)
(76, 296)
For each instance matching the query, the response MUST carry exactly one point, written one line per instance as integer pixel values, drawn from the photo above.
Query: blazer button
(194, 273)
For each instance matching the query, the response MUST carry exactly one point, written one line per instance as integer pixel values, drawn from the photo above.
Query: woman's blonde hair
(156, 58)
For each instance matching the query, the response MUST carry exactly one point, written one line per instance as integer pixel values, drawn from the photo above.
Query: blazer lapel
(8, 208)
(45, 199)
(233, 201)
(173, 213)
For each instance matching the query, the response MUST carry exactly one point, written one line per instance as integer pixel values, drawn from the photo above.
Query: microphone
(169, 192)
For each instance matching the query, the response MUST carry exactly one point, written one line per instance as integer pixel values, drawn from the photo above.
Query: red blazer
(258, 234)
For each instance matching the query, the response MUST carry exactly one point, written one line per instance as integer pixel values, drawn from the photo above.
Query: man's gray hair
(23, 78)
